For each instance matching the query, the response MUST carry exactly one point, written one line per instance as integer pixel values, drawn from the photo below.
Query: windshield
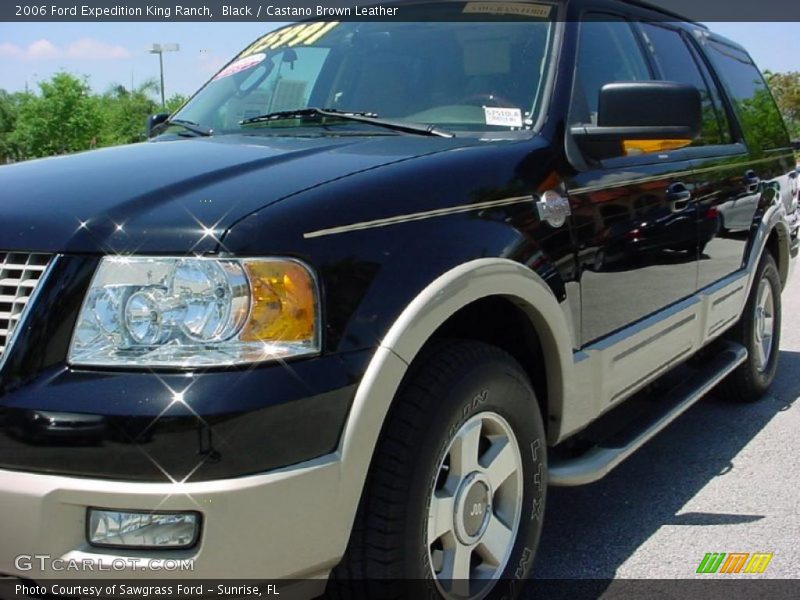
(465, 76)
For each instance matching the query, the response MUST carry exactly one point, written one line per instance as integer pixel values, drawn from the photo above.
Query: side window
(676, 62)
(761, 121)
(607, 52)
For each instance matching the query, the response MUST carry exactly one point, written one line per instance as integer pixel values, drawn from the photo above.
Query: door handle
(751, 180)
(679, 196)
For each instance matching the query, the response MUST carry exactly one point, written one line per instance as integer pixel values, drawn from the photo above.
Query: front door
(634, 218)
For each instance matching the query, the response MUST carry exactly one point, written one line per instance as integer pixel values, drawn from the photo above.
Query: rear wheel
(454, 500)
(759, 330)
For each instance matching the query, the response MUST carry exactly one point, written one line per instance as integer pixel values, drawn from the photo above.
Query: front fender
(441, 299)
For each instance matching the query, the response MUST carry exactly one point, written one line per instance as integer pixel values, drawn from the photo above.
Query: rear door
(721, 195)
(739, 186)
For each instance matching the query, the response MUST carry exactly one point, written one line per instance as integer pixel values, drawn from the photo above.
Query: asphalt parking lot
(722, 478)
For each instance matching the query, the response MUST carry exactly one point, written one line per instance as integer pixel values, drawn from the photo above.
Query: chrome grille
(20, 273)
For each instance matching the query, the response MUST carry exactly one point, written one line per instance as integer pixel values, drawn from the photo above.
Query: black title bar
(281, 10)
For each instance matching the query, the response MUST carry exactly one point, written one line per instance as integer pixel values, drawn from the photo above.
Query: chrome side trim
(418, 216)
(647, 324)
(29, 306)
(655, 337)
(727, 296)
(725, 282)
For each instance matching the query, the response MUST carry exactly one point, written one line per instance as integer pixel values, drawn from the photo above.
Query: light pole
(160, 49)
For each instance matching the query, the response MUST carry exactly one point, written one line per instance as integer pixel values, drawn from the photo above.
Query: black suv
(377, 284)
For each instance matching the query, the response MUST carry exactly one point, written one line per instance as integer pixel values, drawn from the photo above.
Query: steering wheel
(487, 99)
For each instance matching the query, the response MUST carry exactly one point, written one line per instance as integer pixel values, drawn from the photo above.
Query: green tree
(64, 117)
(10, 106)
(124, 113)
(174, 102)
(762, 122)
(786, 88)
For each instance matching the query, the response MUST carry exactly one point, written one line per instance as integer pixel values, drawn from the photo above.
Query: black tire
(751, 380)
(453, 384)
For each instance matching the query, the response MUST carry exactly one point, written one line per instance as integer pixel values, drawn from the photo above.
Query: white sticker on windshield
(240, 65)
(522, 9)
(504, 117)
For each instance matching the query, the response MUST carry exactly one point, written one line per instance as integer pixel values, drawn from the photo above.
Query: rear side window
(676, 62)
(761, 121)
(607, 52)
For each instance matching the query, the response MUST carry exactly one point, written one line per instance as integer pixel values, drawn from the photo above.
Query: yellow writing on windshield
(302, 33)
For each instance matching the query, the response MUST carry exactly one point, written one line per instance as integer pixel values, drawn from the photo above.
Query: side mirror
(153, 121)
(640, 117)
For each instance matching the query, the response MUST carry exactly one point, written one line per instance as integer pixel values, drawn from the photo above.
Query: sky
(116, 53)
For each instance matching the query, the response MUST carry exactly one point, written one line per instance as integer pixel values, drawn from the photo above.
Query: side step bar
(597, 462)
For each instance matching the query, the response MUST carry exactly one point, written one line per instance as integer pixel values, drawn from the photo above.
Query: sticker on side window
(503, 117)
(240, 65)
(522, 9)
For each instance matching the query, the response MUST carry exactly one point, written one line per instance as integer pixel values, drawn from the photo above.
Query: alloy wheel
(475, 507)
(764, 325)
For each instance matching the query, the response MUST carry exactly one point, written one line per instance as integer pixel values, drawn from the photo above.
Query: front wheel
(759, 330)
(455, 496)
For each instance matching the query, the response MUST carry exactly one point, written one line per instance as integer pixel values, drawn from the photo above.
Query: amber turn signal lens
(283, 305)
(636, 147)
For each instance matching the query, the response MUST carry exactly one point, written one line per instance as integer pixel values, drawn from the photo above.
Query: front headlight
(196, 312)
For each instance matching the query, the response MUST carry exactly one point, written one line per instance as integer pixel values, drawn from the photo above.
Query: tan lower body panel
(283, 524)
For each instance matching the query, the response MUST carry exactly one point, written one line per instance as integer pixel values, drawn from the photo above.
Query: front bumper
(128, 425)
(291, 523)
(285, 524)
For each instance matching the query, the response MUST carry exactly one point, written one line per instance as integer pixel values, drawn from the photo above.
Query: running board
(597, 462)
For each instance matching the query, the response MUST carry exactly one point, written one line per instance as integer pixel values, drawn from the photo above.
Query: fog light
(142, 529)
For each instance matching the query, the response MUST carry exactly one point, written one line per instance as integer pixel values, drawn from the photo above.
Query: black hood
(177, 196)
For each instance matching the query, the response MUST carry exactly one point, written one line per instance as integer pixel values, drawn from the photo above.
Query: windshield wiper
(358, 116)
(188, 126)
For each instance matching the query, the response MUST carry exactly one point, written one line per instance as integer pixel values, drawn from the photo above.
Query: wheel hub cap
(473, 508)
(760, 323)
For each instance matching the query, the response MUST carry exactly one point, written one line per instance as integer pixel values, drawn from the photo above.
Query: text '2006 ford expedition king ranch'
(376, 285)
